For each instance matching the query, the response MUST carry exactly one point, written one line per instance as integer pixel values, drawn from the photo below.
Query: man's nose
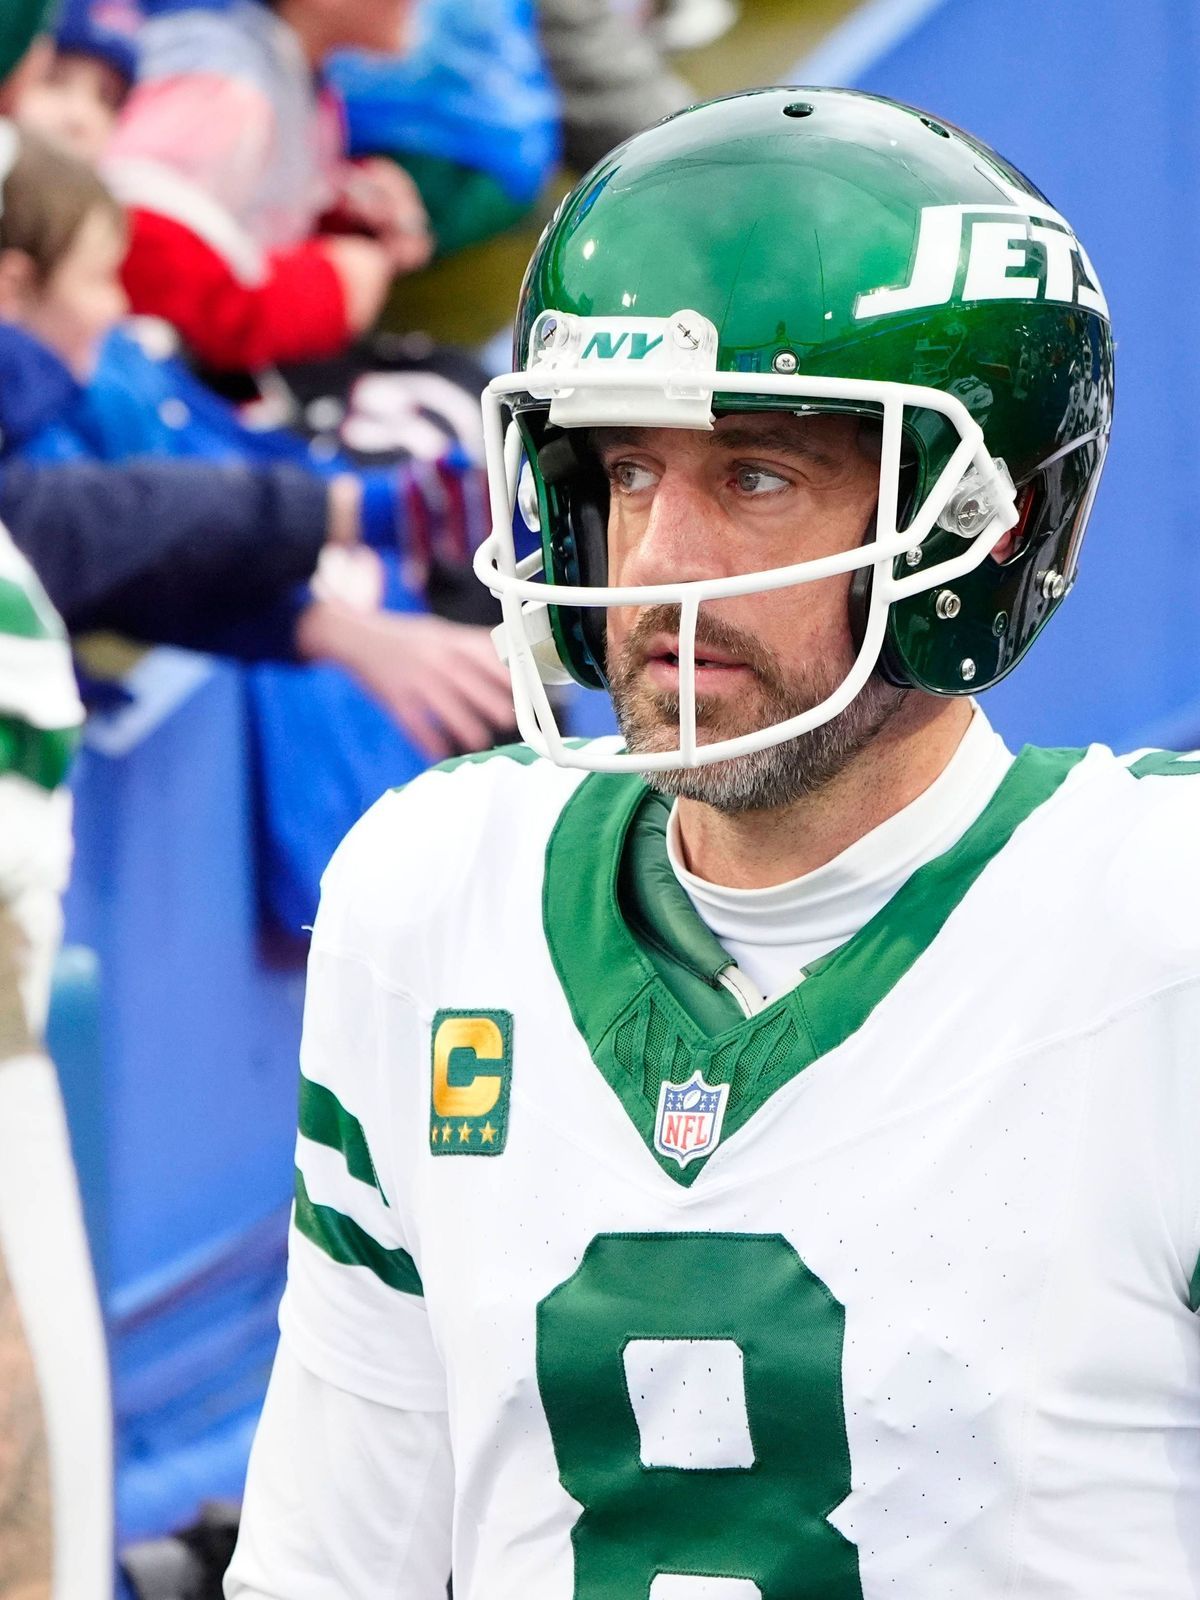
(680, 539)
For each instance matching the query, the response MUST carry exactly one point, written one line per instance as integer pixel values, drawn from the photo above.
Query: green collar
(639, 968)
(684, 952)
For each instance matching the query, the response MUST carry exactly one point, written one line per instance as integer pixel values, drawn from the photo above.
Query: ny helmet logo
(604, 347)
(991, 252)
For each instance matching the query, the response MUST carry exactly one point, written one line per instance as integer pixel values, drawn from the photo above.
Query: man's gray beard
(763, 780)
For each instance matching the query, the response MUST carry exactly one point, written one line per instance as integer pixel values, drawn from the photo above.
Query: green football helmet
(806, 250)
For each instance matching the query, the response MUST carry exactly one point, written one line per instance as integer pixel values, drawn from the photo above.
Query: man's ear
(18, 279)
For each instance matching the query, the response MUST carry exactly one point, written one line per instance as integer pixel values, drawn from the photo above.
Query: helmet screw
(1054, 585)
(966, 670)
(1000, 624)
(947, 605)
(547, 330)
(912, 558)
(785, 362)
(971, 515)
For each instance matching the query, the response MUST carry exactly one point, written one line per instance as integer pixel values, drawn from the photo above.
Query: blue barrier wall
(1099, 102)
(199, 1043)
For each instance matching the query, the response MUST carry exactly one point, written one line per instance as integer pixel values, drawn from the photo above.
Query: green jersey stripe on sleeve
(325, 1120)
(41, 755)
(343, 1241)
(39, 701)
(22, 616)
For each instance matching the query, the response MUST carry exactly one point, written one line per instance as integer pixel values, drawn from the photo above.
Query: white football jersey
(884, 1291)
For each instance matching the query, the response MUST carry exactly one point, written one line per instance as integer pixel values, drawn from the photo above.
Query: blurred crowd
(220, 430)
(206, 210)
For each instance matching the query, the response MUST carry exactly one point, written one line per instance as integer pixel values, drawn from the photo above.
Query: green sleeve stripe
(325, 1120)
(19, 615)
(345, 1242)
(1195, 1289)
(42, 755)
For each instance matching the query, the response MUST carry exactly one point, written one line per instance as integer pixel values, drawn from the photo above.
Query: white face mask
(642, 372)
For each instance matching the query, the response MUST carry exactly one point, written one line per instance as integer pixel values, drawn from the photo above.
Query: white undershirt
(773, 933)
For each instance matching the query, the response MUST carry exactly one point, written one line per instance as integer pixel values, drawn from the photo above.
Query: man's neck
(756, 849)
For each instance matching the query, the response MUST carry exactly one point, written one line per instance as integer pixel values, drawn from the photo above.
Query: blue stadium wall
(187, 1161)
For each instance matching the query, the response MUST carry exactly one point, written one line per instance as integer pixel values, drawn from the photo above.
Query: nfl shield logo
(689, 1118)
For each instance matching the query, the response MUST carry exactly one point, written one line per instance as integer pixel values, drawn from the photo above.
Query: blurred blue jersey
(475, 90)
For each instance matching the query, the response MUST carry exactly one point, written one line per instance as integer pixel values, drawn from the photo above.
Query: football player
(56, 1534)
(755, 1156)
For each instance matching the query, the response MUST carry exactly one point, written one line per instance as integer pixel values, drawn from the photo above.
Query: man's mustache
(711, 631)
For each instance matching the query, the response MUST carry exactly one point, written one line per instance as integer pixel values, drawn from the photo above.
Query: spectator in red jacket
(229, 154)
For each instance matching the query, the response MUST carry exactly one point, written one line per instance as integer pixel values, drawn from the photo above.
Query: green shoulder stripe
(520, 753)
(343, 1241)
(844, 987)
(1194, 1297)
(325, 1120)
(1166, 764)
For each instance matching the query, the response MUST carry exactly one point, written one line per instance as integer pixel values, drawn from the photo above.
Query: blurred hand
(442, 682)
(365, 270)
(380, 198)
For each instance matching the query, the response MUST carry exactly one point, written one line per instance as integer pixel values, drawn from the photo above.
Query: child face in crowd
(80, 302)
(74, 104)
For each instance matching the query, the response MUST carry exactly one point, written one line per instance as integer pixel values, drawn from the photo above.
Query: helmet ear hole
(1013, 543)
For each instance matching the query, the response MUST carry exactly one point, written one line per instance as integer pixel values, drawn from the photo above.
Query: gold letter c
(483, 1039)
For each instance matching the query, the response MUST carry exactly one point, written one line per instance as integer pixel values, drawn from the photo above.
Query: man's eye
(757, 480)
(630, 478)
